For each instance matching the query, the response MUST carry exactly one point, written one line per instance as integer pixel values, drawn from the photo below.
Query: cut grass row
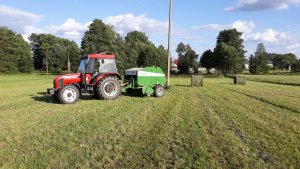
(217, 126)
(276, 79)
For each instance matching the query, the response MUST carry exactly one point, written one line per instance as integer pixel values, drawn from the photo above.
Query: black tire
(109, 88)
(68, 94)
(159, 91)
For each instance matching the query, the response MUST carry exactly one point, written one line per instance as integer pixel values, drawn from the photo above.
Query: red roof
(175, 61)
(101, 56)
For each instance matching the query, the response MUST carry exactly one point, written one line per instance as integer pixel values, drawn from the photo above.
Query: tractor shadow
(86, 97)
(181, 86)
(140, 95)
(43, 97)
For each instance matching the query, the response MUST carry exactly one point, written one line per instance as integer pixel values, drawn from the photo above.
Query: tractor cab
(97, 63)
(94, 65)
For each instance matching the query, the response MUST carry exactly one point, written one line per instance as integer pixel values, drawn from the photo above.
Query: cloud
(128, 22)
(294, 46)
(247, 27)
(122, 24)
(268, 35)
(213, 27)
(70, 29)
(257, 5)
(17, 19)
(242, 26)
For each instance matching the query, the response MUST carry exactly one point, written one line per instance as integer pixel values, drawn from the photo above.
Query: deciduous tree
(229, 51)
(15, 53)
(258, 63)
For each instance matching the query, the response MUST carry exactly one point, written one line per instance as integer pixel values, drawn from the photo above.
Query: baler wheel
(159, 91)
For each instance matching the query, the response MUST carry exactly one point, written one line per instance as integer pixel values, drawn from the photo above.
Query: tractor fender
(79, 88)
(96, 81)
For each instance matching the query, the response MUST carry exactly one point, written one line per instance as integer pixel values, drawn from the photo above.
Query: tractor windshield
(82, 65)
(97, 65)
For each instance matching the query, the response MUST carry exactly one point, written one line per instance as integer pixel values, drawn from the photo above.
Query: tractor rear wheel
(159, 91)
(68, 94)
(108, 88)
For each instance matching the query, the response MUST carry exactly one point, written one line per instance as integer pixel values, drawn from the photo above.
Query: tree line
(228, 57)
(48, 52)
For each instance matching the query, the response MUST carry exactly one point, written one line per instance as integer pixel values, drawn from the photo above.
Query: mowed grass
(220, 125)
(276, 79)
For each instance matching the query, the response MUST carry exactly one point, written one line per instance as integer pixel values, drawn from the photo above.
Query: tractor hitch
(51, 91)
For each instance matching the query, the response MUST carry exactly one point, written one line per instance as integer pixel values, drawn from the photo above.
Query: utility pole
(169, 43)
(69, 64)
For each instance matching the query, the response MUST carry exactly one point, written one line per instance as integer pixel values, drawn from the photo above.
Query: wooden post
(196, 80)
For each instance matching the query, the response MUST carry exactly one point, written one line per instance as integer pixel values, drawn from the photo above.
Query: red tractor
(97, 75)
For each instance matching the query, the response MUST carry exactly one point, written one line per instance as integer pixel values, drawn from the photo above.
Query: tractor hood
(62, 80)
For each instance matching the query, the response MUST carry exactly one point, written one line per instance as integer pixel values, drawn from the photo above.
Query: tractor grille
(60, 83)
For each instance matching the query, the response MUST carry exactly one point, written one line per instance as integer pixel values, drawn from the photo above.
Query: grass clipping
(239, 79)
(196, 80)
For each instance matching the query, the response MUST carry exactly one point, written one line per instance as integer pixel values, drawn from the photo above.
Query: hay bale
(239, 79)
(197, 80)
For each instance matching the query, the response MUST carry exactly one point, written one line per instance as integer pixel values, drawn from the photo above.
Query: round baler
(148, 80)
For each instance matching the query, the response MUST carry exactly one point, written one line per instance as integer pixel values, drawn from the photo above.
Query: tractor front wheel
(159, 91)
(68, 94)
(109, 88)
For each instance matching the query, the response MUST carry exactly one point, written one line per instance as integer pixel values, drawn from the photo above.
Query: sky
(276, 23)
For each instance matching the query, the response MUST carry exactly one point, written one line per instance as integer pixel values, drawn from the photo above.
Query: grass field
(219, 125)
(276, 79)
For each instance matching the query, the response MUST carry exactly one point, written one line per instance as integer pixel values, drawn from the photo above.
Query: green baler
(148, 80)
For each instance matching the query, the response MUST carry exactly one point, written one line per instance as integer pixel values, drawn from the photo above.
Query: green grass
(220, 125)
(276, 79)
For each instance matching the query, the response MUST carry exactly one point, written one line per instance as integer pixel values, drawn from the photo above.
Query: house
(270, 63)
(246, 64)
(174, 66)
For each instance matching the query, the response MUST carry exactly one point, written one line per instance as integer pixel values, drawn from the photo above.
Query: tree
(56, 49)
(207, 60)
(258, 63)
(187, 58)
(14, 53)
(99, 38)
(181, 49)
(141, 52)
(137, 37)
(229, 51)
(136, 42)
(296, 66)
(281, 60)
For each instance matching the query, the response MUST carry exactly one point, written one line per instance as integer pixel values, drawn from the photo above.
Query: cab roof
(99, 56)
